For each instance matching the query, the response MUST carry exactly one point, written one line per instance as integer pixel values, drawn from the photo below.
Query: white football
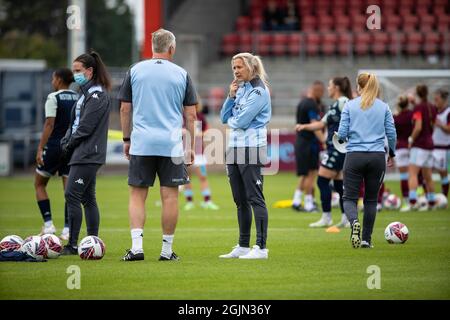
(422, 202)
(35, 247)
(53, 244)
(392, 202)
(11, 243)
(396, 232)
(91, 248)
(441, 201)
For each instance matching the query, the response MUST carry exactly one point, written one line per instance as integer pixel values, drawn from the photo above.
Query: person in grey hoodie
(84, 145)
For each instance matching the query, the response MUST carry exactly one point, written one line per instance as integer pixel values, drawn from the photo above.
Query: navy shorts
(52, 162)
(333, 160)
(306, 156)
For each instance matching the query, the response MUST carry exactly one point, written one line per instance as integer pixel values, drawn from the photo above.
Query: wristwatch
(126, 139)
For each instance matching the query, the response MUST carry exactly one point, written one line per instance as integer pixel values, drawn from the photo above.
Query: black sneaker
(69, 250)
(366, 245)
(355, 236)
(172, 257)
(130, 256)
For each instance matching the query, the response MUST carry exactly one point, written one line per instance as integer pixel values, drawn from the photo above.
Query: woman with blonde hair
(365, 122)
(247, 111)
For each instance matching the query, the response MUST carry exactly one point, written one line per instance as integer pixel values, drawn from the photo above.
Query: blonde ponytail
(254, 64)
(370, 88)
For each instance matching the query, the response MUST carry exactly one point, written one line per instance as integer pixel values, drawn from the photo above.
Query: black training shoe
(172, 257)
(298, 208)
(69, 251)
(355, 236)
(366, 245)
(130, 256)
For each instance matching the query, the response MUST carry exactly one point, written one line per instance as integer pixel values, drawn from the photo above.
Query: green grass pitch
(303, 263)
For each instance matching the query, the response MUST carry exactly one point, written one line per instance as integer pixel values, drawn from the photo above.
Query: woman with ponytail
(365, 122)
(84, 145)
(247, 111)
(339, 89)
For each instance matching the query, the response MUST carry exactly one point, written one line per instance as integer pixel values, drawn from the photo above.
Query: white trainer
(64, 234)
(236, 252)
(48, 230)
(322, 223)
(343, 224)
(256, 253)
(406, 208)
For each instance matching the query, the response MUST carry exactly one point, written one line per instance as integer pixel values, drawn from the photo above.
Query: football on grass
(91, 248)
(11, 243)
(396, 232)
(35, 247)
(53, 244)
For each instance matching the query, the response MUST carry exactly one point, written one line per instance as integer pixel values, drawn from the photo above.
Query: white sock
(136, 237)
(308, 201)
(166, 250)
(297, 197)
(48, 224)
(65, 230)
(326, 215)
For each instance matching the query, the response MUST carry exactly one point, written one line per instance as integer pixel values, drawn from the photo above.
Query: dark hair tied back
(94, 61)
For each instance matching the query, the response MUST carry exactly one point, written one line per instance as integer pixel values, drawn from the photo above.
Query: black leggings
(246, 184)
(81, 190)
(369, 167)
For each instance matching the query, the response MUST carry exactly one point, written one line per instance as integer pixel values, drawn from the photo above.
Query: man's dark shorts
(143, 170)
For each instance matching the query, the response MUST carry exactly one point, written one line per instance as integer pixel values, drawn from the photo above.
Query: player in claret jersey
(421, 144)
(403, 126)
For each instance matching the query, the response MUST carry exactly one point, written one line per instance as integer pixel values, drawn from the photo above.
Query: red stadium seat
(389, 7)
(329, 41)
(380, 42)
(392, 23)
(279, 44)
(358, 23)
(344, 44)
(424, 3)
(443, 23)
(245, 42)
(322, 6)
(342, 22)
(410, 22)
(308, 23)
(432, 42)
(325, 23)
(230, 44)
(441, 3)
(243, 24)
(312, 43)
(362, 42)
(396, 42)
(295, 44)
(264, 42)
(257, 23)
(305, 7)
(414, 42)
(421, 11)
(426, 23)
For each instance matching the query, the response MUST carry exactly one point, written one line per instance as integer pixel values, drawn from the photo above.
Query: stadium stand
(408, 27)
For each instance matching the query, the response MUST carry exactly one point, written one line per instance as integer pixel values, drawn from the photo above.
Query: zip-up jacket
(86, 139)
(248, 114)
